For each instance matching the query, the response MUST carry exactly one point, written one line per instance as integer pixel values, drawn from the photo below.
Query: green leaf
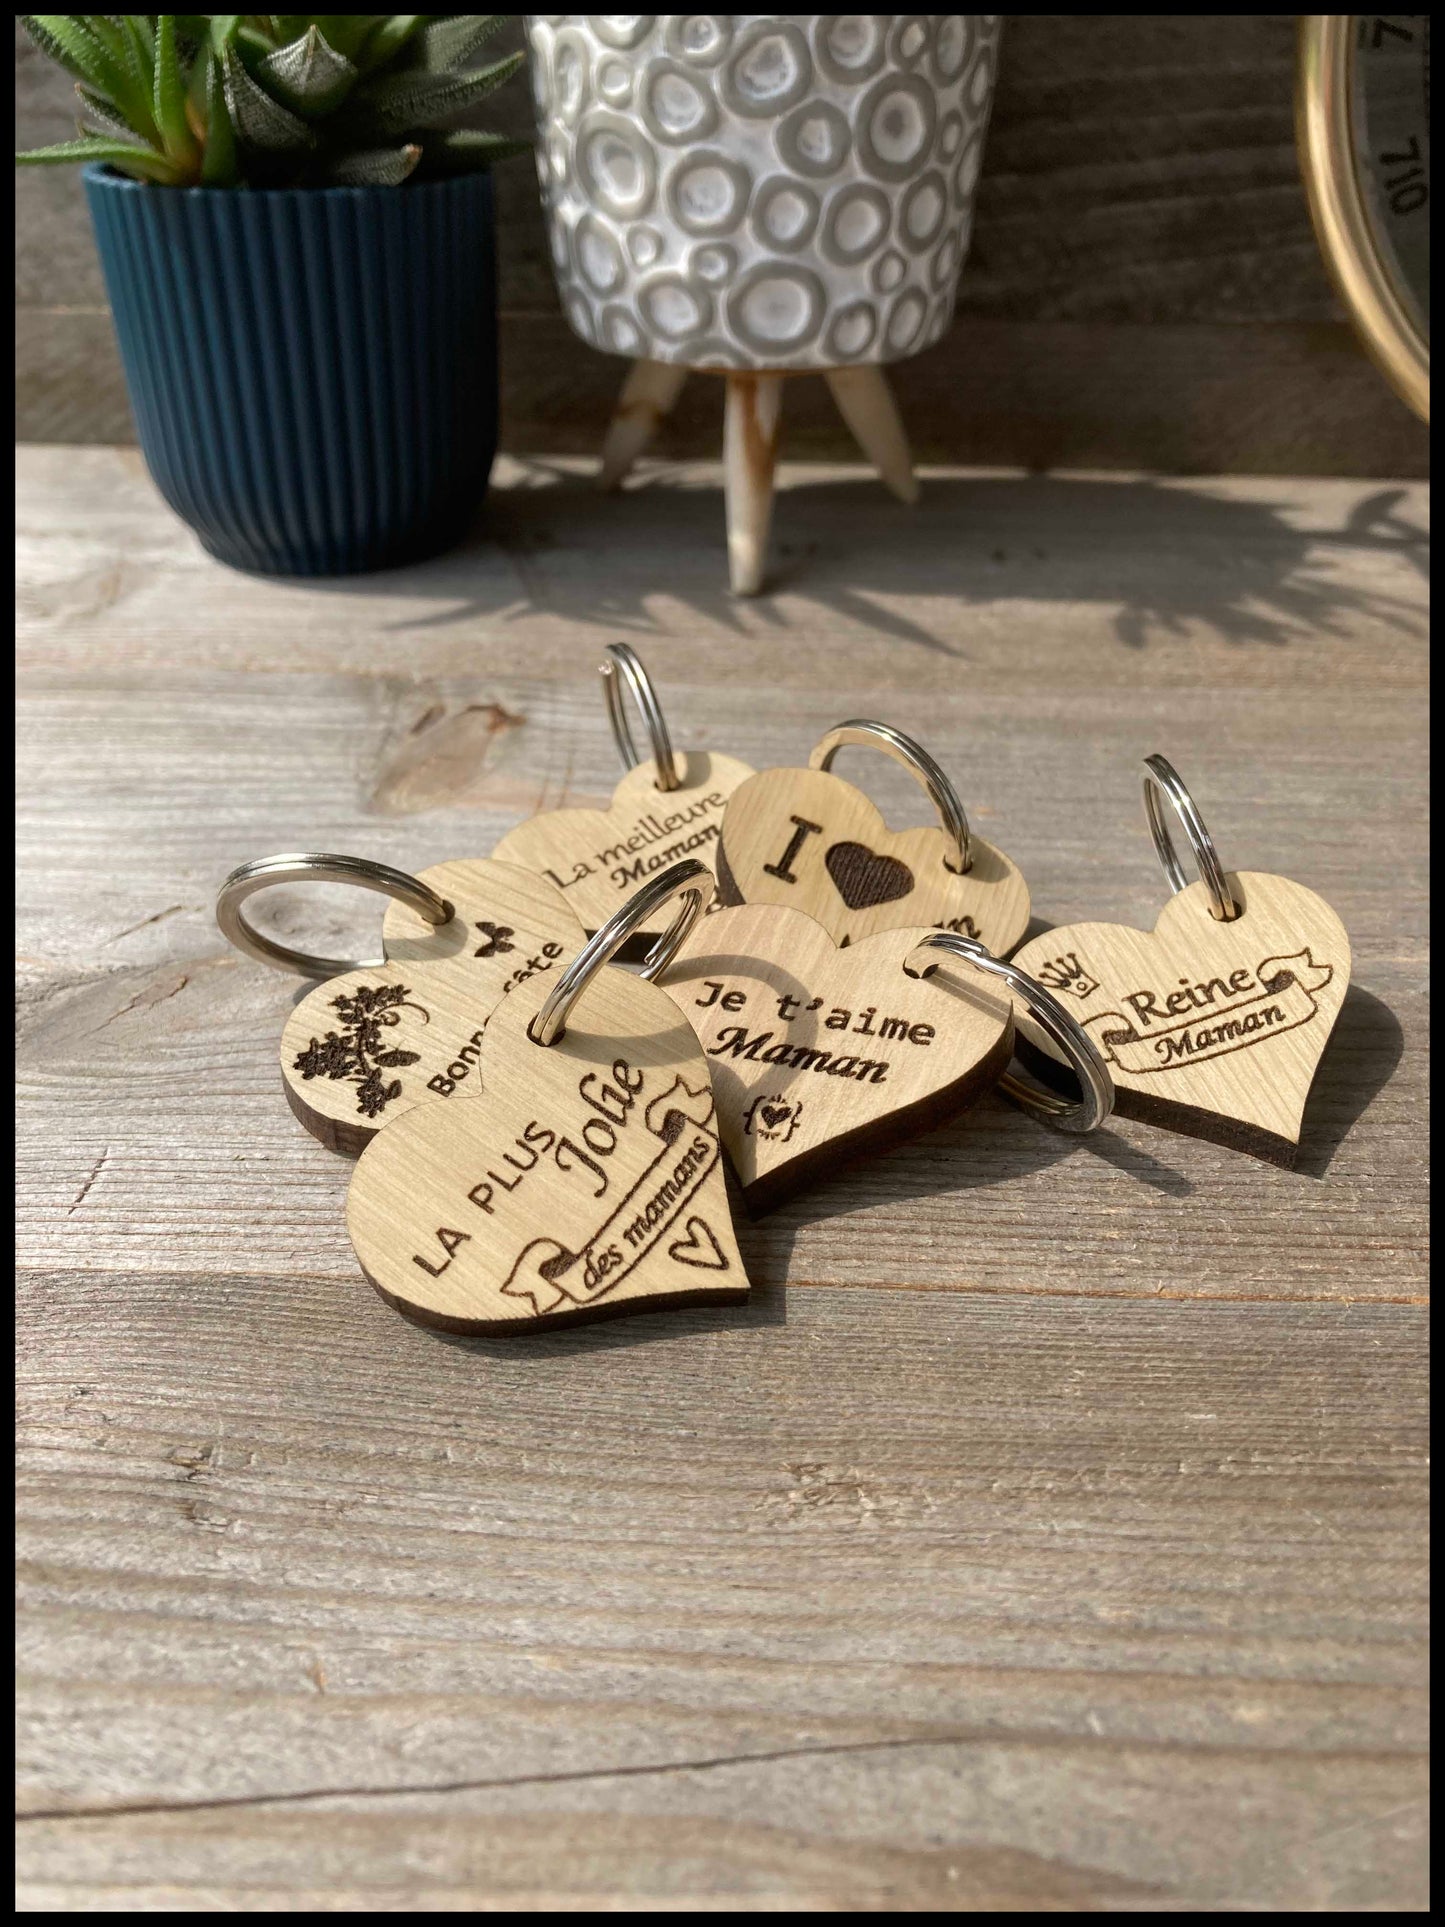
(391, 36)
(252, 44)
(125, 39)
(258, 120)
(141, 162)
(196, 91)
(140, 32)
(98, 116)
(138, 54)
(168, 105)
(217, 31)
(68, 39)
(466, 151)
(103, 53)
(348, 33)
(450, 42)
(220, 161)
(372, 166)
(108, 29)
(402, 103)
(308, 75)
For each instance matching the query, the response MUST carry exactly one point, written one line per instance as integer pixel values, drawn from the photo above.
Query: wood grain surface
(1048, 1531)
(1143, 287)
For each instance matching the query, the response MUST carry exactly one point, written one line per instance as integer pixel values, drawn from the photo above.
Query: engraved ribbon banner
(1285, 997)
(547, 1272)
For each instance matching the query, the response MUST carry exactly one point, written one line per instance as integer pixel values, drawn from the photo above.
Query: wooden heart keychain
(585, 1180)
(819, 1053)
(1214, 1022)
(378, 1037)
(805, 839)
(660, 813)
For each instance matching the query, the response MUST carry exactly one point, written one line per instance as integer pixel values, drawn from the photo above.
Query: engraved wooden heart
(1213, 1029)
(586, 1180)
(805, 839)
(599, 857)
(819, 1053)
(363, 1047)
(863, 878)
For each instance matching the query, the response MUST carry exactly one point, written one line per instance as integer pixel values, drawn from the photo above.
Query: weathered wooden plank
(1144, 287)
(828, 1625)
(790, 1835)
(1023, 1557)
(388, 717)
(1250, 587)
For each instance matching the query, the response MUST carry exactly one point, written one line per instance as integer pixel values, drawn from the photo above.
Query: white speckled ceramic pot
(761, 191)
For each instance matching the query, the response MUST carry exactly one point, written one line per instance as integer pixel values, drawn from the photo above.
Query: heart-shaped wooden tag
(818, 1053)
(1210, 1028)
(599, 857)
(805, 839)
(365, 1046)
(586, 1180)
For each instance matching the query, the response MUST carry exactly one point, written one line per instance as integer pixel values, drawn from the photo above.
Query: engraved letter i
(782, 868)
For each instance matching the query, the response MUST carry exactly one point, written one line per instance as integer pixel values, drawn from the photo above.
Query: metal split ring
(1049, 1014)
(1162, 780)
(624, 665)
(314, 867)
(691, 880)
(919, 764)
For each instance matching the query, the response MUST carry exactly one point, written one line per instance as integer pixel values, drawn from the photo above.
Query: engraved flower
(372, 1096)
(356, 1052)
(333, 1056)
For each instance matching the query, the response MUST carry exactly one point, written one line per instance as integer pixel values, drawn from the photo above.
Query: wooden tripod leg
(865, 401)
(750, 440)
(649, 392)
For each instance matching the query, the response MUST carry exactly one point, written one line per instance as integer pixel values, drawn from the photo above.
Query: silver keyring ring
(314, 867)
(625, 666)
(691, 880)
(1049, 1014)
(919, 764)
(1162, 780)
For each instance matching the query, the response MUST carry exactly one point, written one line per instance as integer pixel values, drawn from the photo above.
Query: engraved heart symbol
(806, 840)
(838, 1044)
(700, 1247)
(586, 1179)
(864, 878)
(599, 857)
(362, 1048)
(1212, 1029)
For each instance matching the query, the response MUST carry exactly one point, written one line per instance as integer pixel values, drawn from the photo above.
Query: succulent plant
(276, 99)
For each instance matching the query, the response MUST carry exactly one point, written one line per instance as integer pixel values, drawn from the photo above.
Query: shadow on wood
(1162, 555)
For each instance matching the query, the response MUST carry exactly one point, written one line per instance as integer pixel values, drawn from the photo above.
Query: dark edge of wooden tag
(559, 1320)
(729, 896)
(348, 1140)
(1184, 1120)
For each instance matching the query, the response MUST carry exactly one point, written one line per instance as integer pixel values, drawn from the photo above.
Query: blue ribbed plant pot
(313, 371)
